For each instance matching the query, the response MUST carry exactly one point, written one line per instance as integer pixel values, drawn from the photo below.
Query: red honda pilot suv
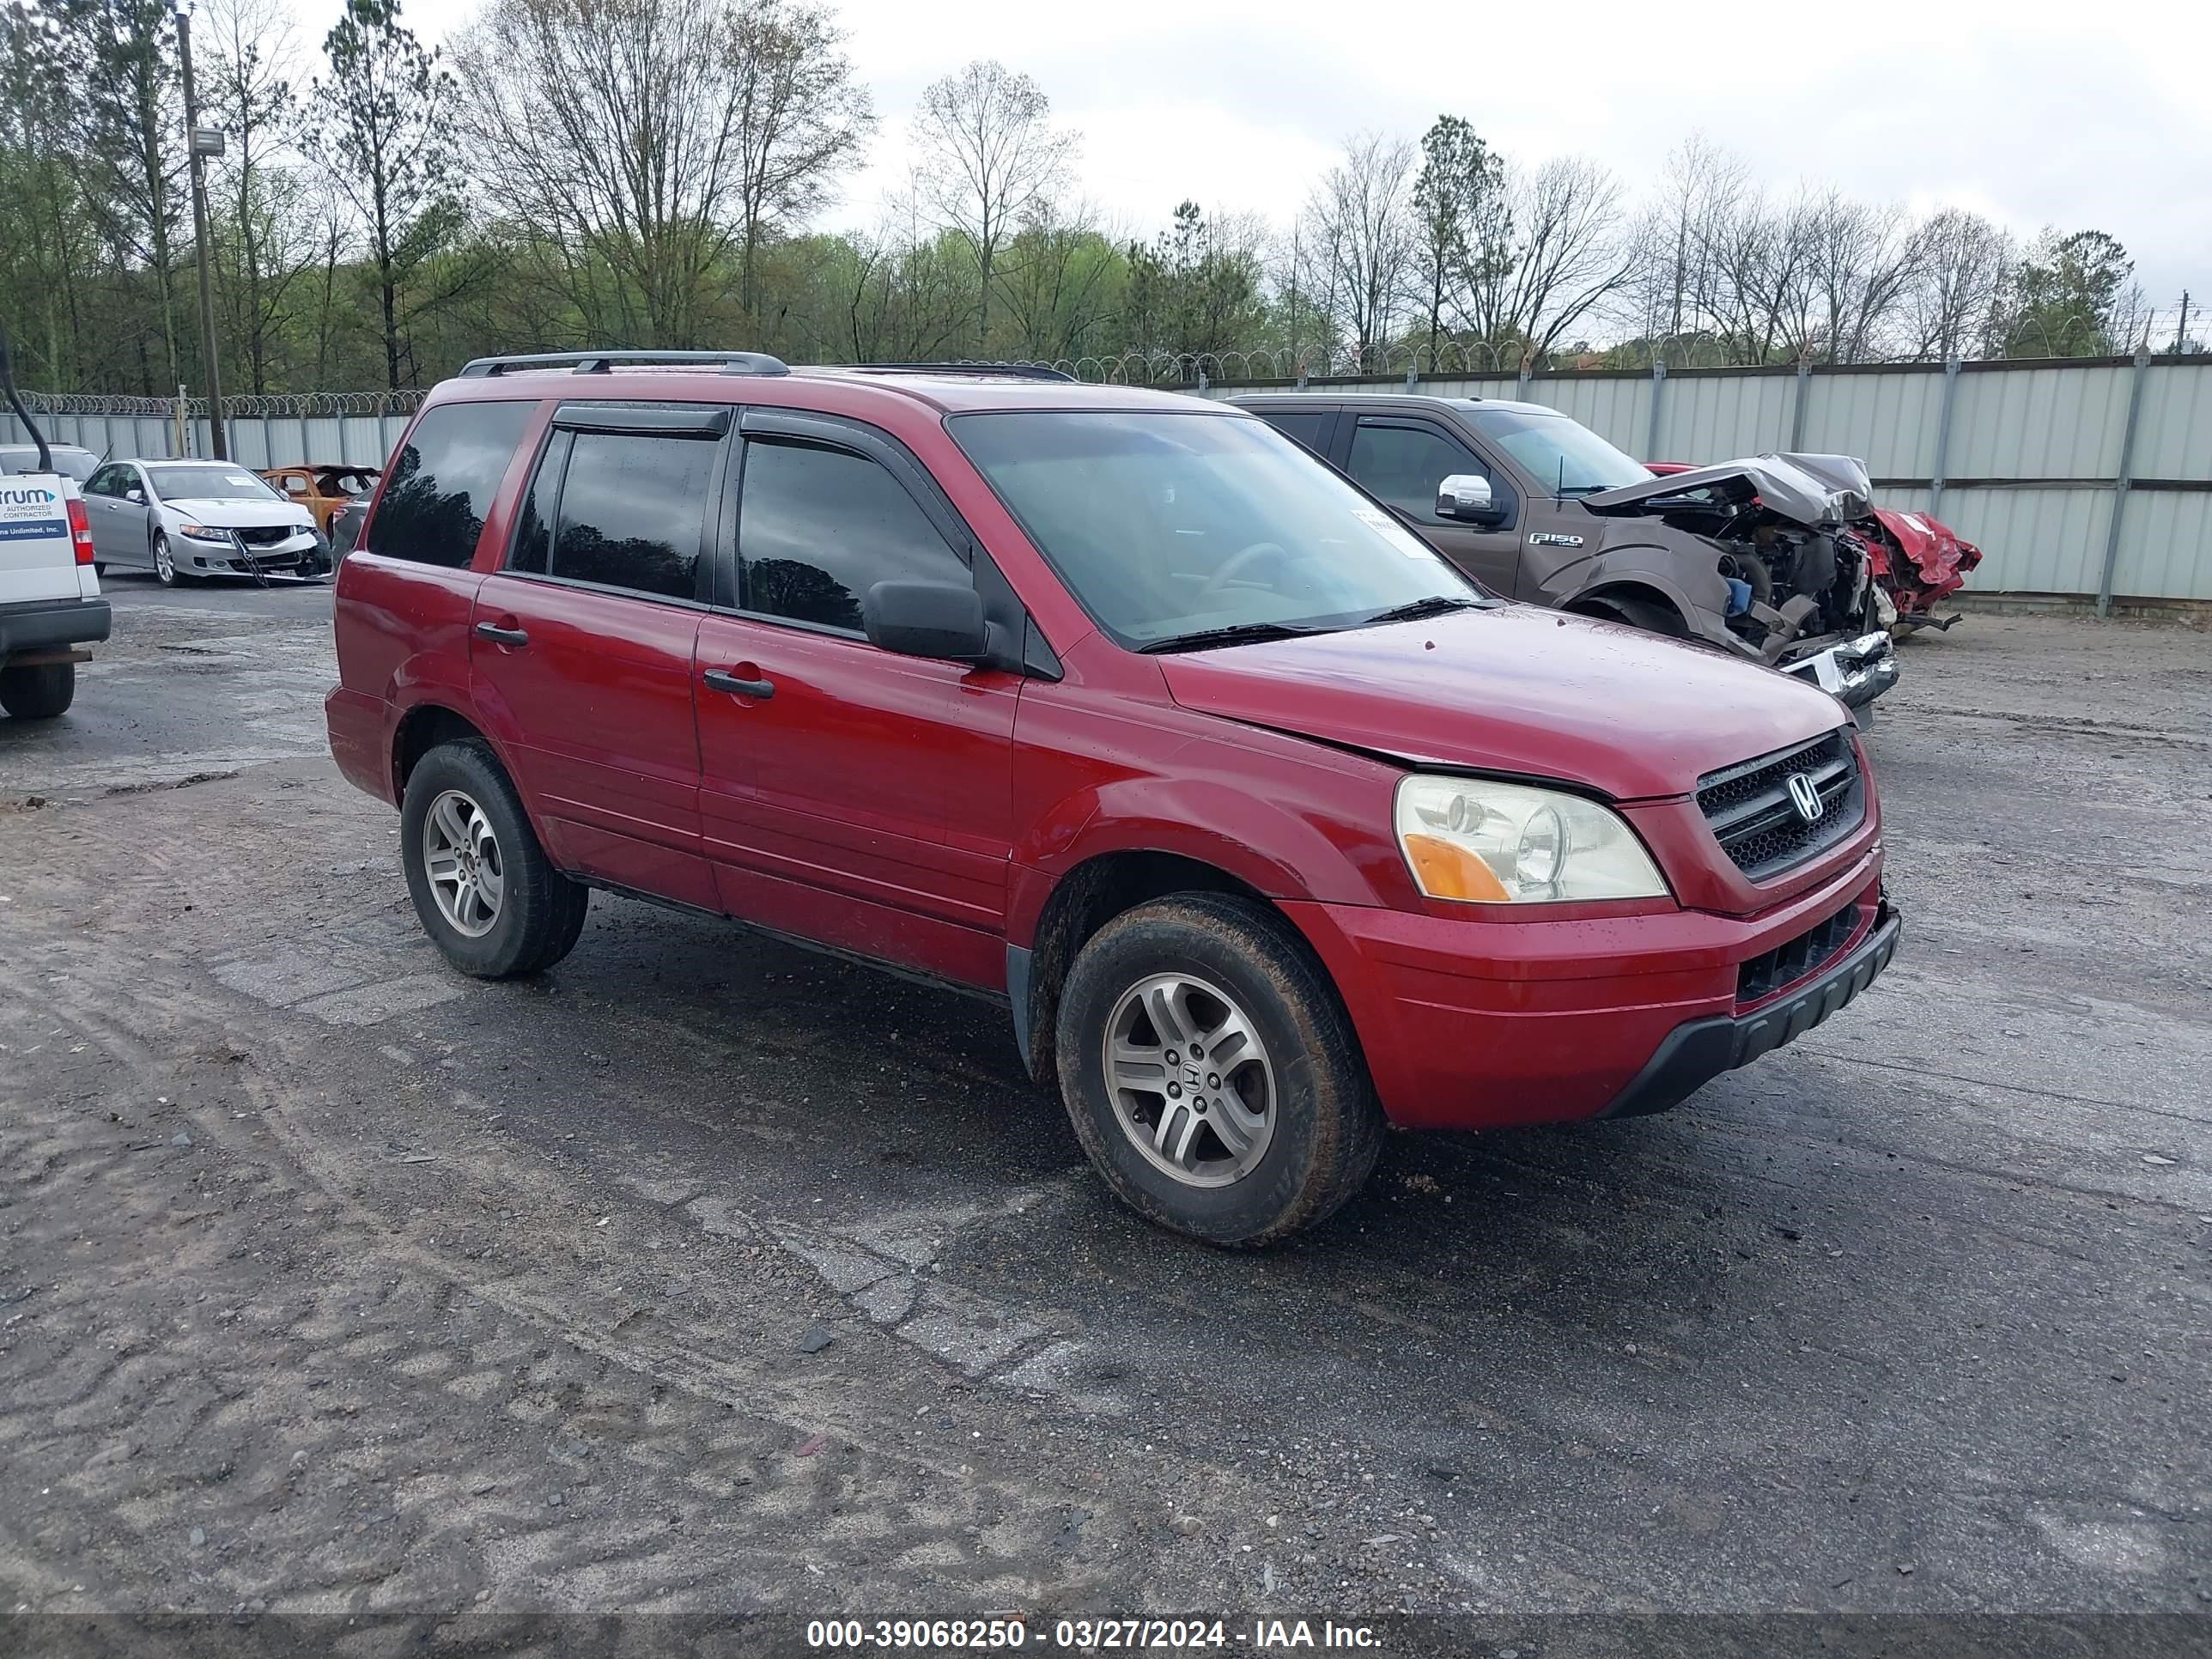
(1114, 706)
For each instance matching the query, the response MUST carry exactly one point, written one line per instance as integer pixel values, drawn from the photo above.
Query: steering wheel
(1237, 563)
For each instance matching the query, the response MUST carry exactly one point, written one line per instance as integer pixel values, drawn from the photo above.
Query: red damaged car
(1118, 708)
(1918, 561)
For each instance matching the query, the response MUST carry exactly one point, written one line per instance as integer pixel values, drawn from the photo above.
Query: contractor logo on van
(30, 512)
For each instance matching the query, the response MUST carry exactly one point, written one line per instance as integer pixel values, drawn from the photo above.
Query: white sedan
(188, 518)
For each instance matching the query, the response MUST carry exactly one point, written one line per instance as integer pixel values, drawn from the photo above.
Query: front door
(582, 642)
(851, 795)
(118, 525)
(1403, 459)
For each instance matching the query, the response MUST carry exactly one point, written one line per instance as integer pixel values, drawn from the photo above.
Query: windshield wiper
(1250, 632)
(1436, 604)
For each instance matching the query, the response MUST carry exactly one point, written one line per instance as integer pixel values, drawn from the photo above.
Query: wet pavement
(705, 1273)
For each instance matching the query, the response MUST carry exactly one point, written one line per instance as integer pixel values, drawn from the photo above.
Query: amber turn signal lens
(1447, 872)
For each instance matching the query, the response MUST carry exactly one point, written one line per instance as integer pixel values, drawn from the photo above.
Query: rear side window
(1310, 428)
(626, 510)
(817, 528)
(443, 481)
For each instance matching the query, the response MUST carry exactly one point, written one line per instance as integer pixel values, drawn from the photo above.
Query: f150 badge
(1553, 539)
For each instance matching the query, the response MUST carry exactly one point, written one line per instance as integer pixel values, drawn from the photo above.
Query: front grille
(267, 535)
(1763, 975)
(1753, 816)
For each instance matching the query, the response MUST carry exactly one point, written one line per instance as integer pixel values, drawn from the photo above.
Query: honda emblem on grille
(1806, 797)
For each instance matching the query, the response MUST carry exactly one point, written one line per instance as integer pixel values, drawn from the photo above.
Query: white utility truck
(50, 604)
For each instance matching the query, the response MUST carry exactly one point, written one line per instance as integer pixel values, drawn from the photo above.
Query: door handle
(722, 680)
(493, 631)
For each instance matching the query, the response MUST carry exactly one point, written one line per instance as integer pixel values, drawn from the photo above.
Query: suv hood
(1813, 489)
(240, 515)
(1516, 689)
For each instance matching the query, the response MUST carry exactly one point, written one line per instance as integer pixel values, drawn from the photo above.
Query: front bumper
(1693, 1055)
(1854, 672)
(50, 624)
(1502, 1024)
(237, 557)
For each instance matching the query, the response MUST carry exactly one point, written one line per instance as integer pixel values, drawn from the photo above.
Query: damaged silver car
(1755, 556)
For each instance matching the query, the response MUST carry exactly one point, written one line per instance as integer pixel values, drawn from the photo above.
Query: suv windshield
(1201, 528)
(1561, 454)
(207, 483)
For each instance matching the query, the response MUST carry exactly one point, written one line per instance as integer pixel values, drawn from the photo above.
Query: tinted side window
(1404, 465)
(533, 536)
(443, 481)
(1310, 429)
(108, 481)
(817, 528)
(633, 511)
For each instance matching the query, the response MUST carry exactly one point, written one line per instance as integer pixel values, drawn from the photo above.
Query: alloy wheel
(461, 857)
(1192, 1085)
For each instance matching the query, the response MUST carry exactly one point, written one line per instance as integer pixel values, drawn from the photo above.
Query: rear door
(1402, 459)
(583, 639)
(849, 794)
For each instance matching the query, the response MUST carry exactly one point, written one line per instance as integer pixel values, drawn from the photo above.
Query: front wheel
(38, 693)
(1212, 1072)
(165, 563)
(482, 887)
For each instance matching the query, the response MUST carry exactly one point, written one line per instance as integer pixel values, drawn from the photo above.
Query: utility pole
(2181, 329)
(200, 145)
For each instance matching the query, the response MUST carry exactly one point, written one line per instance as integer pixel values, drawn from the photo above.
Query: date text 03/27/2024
(1088, 1635)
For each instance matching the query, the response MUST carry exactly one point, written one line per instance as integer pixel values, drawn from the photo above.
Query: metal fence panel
(1711, 417)
(2174, 437)
(1888, 421)
(2039, 422)
(2033, 541)
(2166, 545)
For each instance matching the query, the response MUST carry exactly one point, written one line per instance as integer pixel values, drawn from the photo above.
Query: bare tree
(1358, 221)
(802, 119)
(268, 230)
(989, 158)
(1566, 254)
(1671, 289)
(624, 181)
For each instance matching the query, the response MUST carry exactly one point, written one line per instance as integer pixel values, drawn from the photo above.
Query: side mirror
(135, 494)
(1466, 496)
(943, 620)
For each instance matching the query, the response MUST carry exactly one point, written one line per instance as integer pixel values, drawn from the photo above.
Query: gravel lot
(707, 1275)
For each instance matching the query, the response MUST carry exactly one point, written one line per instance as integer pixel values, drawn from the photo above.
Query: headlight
(203, 532)
(1482, 842)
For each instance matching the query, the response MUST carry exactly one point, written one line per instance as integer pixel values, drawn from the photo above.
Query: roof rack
(1001, 371)
(602, 362)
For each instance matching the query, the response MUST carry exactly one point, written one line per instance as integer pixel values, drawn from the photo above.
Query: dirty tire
(1646, 614)
(1329, 1127)
(38, 693)
(541, 911)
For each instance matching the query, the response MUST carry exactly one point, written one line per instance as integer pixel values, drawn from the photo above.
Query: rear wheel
(1650, 615)
(1212, 1072)
(38, 693)
(482, 887)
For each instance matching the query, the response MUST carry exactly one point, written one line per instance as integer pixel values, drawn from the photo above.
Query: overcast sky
(2011, 110)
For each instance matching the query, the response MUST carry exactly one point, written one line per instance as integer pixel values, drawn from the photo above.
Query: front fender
(1278, 846)
(1693, 588)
